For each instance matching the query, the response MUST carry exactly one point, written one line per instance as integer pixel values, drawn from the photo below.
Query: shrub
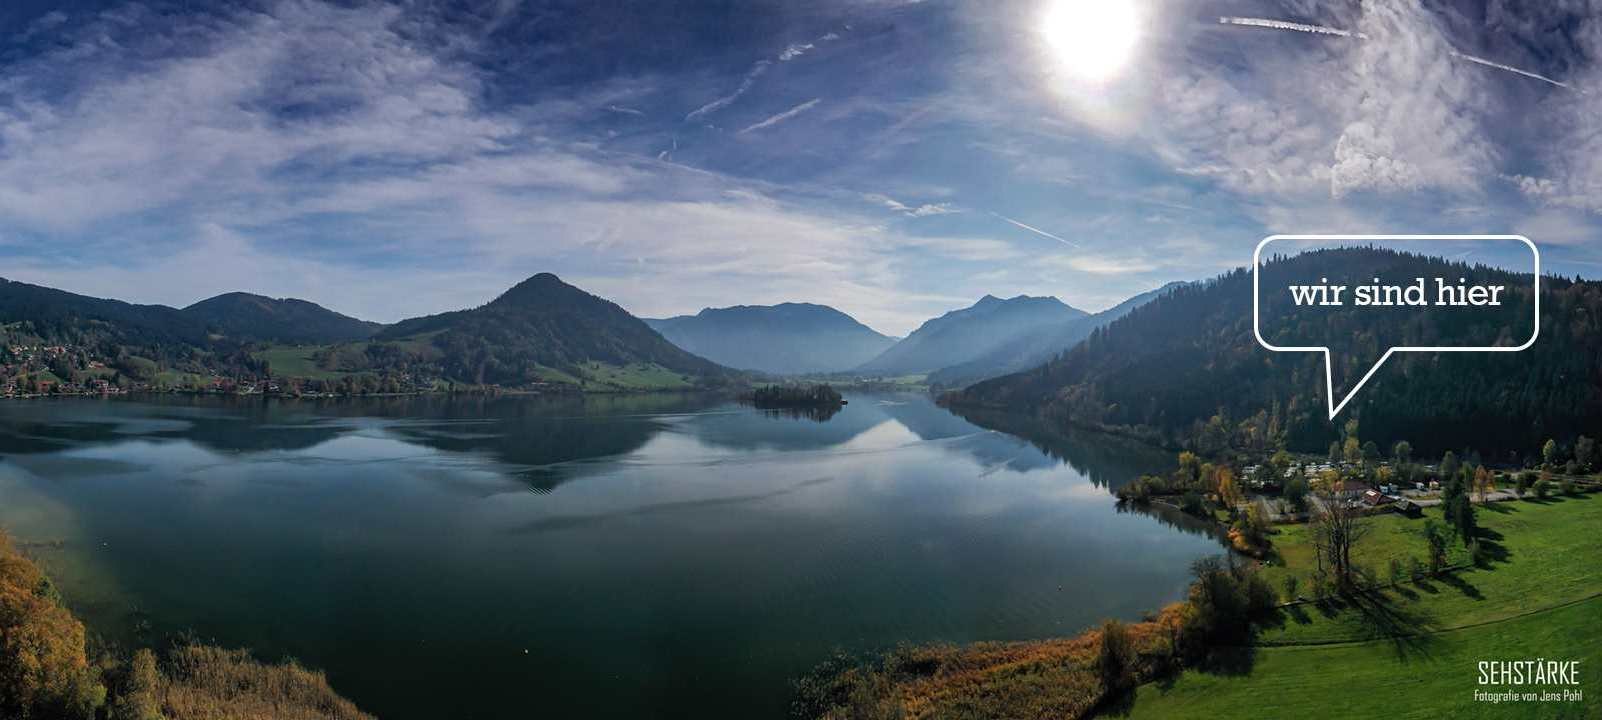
(1114, 655)
(1543, 488)
(1191, 503)
(1567, 487)
(136, 694)
(1290, 588)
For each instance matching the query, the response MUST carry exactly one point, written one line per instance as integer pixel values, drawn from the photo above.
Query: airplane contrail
(1509, 68)
(1326, 30)
(1035, 230)
(1286, 25)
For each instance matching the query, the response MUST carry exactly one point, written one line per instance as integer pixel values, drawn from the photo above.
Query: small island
(794, 397)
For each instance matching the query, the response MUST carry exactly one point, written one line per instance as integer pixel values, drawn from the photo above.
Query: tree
(1484, 482)
(1228, 490)
(1290, 588)
(1296, 492)
(1449, 465)
(1352, 451)
(1402, 452)
(44, 670)
(1334, 451)
(1337, 527)
(1435, 541)
(1458, 507)
(1585, 452)
(136, 698)
(1371, 453)
(1114, 655)
(1549, 453)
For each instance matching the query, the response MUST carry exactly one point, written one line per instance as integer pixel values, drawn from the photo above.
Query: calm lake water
(615, 557)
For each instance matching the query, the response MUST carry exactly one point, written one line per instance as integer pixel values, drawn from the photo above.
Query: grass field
(1433, 676)
(602, 377)
(296, 361)
(1410, 651)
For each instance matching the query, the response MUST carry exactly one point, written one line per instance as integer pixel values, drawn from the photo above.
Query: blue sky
(893, 159)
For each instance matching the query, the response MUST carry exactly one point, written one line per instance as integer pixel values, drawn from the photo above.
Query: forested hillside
(1185, 370)
(253, 317)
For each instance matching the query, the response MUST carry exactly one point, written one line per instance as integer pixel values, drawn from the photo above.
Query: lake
(618, 557)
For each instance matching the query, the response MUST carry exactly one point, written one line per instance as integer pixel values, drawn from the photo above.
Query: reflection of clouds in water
(563, 522)
(68, 467)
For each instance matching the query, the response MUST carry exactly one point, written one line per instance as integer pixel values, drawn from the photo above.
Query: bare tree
(1337, 525)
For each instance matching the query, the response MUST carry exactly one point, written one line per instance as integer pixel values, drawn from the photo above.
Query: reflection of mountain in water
(815, 413)
(549, 441)
(1108, 460)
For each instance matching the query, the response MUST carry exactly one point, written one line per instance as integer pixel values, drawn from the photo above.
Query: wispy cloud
(924, 210)
(746, 83)
(772, 120)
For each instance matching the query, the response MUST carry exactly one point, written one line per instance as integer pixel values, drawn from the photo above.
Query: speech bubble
(1329, 375)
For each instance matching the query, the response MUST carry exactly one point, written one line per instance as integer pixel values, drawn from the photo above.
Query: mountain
(784, 339)
(242, 315)
(1185, 370)
(1035, 348)
(63, 317)
(964, 335)
(541, 330)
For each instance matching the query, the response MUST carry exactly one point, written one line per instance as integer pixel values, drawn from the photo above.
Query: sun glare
(1091, 39)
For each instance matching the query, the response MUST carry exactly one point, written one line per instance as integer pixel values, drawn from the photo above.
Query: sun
(1091, 39)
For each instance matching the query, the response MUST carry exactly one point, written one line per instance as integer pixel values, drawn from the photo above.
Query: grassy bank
(1425, 677)
(1403, 651)
(48, 672)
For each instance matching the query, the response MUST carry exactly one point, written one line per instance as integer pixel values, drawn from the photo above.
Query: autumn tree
(44, 672)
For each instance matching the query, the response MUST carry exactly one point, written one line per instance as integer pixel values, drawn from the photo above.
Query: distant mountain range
(542, 331)
(966, 335)
(1033, 348)
(784, 339)
(1186, 370)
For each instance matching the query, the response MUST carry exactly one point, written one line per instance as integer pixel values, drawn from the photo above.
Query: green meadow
(1410, 650)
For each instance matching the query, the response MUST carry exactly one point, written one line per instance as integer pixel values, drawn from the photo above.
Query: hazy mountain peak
(787, 338)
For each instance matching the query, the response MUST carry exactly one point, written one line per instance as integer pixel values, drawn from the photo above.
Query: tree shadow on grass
(1406, 628)
(1463, 586)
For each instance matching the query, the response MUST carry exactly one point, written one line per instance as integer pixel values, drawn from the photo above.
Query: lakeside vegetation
(50, 671)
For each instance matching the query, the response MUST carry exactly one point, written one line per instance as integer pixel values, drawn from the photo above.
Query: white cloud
(923, 210)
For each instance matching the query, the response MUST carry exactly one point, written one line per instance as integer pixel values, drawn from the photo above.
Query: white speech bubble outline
(1329, 373)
